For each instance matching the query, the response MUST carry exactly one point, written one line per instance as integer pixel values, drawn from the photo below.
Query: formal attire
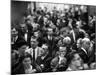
(50, 40)
(84, 55)
(21, 70)
(34, 52)
(44, 61)
(59, 63)
(26, 36)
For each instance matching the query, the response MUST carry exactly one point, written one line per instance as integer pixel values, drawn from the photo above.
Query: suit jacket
(52, 44)
(46, 62)
(74, 34)
(37, 51)
(92, 55)
(54, 19)
(21, 35)
(60, 65)
(40, 20)
(84, 55)
(20, 69)
(15, 43)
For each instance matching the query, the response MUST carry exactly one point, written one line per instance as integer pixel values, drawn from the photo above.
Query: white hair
(44, 46)
(67, 40)
(85, 40)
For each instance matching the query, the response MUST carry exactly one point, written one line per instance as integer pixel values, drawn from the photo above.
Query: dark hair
(26, 55)
(38, 12)
(74, 23)
(70, 57)
(21, 43)
(16, 55)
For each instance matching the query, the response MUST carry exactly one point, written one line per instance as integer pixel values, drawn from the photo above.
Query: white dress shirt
(37, 51)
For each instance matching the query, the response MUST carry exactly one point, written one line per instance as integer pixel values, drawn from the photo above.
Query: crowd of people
(54, 41)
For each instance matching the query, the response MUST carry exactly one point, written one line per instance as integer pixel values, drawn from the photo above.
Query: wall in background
(18, 10)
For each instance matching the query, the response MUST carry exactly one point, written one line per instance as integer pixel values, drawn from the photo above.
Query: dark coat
(46, 62)
(83, 55)
(52, 45)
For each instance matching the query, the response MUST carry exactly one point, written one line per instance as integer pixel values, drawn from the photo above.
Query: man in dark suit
(84, 50)
(39, 18)
(38, 35)
(51, 41)
(58, 63)
(35, 50)
(77, 32)
(44, 60)
(25, 33)
(54, 18)
(14, 38)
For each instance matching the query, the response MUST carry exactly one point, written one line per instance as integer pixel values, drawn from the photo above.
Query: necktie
(33, 54)
(25, 36)
(73, 35)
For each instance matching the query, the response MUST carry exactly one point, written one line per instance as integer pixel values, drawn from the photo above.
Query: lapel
(16, 38)
(84, 51)
(39, 18)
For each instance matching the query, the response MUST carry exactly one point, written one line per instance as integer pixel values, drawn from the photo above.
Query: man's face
(50, 31)
(45, 19)
(65, 33)
(86, 45)
(45, 49)
(34, 43)
(23, 27)
(36, 34)
(22, 49)
(27, 62)
(62, 51)
(14, 33)
(77, 61)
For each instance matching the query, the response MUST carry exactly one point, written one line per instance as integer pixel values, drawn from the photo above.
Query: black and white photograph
(52, 37)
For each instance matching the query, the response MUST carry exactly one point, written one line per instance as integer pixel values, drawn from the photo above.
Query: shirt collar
(84, 50)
